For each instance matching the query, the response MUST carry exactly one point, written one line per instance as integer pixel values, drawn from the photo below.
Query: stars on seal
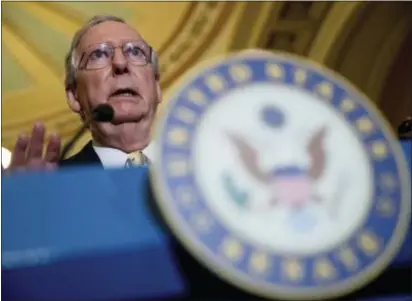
(364, 125)
(386, 207)
(275, 71)
(196, 97)
(186, 196)
(368, 243)
(186, 115)
(202, 221)
(259, 262)
(300, 76)
(293, 269)
(347, 105)
(232, 249)
(388, 181)
(240, 73)
(178, 167)
(324, 269)
(325, 89)
(215, 82)
(379, 149)
(347, 256)
(178, 135)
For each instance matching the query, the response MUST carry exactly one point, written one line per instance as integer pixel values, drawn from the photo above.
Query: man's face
(130, 88)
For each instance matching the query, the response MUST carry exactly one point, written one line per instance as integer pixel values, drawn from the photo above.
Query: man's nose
(119, 63)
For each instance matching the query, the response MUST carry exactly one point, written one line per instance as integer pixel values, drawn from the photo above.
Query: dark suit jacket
(86, 156)
(203, 285)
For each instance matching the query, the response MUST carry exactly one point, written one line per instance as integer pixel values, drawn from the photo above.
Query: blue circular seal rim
(205, 247)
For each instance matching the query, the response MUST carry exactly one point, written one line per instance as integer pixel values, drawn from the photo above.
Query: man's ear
(158, 92)
(72, 101)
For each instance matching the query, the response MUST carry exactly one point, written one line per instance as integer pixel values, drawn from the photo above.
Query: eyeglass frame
(150, 54)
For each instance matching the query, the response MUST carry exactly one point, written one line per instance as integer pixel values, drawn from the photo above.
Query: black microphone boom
(102, 113)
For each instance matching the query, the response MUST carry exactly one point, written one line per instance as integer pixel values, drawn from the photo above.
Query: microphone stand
(68, 146)
(102, 113)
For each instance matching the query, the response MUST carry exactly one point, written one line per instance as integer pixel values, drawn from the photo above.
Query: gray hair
(70, 64)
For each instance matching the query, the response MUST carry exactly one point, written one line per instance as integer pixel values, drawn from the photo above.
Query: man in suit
(108, 62)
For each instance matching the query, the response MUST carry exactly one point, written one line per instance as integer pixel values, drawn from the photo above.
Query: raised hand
(28, 151)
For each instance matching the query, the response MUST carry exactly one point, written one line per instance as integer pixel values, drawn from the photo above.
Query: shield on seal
(281, 177)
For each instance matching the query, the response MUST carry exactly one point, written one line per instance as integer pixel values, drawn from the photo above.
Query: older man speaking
(108, 62)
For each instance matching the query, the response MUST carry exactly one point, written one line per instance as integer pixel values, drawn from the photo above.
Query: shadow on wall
(396, 100)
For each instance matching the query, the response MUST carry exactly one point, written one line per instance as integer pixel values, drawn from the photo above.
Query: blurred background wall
(368, 43)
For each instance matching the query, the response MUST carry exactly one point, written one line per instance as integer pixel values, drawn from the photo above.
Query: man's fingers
(18, 157)
(53, 148)
(28, 151)
(35, 150)
(51, 166)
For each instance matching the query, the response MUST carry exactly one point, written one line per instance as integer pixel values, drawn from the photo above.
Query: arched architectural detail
(359, 40)
(200, 28)
(334, 31)
(396, 97)
(362, 43)
(254, 23)
(286, 26)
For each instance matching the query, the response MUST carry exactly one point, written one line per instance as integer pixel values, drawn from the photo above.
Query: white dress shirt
(115, 158)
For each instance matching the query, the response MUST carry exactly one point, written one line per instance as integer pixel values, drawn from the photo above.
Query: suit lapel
(87, 156)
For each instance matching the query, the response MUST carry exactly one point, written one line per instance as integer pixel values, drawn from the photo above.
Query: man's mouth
(124, 92)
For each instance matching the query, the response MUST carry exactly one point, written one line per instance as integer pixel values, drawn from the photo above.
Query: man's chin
(127, 118)
(125, 103)
(127, 112)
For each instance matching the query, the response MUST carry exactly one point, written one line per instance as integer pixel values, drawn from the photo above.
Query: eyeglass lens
(101, 55)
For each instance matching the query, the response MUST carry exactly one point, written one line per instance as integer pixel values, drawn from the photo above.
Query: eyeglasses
(101, 55)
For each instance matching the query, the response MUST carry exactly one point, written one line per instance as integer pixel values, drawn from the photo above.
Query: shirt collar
(115, 158)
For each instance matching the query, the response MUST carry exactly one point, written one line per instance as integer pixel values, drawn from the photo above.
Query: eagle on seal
(292, 186)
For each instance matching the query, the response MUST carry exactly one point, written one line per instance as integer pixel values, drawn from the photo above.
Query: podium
(84, 234)
(91, 234)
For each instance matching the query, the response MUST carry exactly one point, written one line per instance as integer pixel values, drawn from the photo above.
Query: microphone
(101, 113)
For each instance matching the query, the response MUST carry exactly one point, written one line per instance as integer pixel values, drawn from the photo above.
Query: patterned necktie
(135, 159)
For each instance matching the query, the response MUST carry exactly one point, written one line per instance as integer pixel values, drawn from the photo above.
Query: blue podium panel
(83, 234)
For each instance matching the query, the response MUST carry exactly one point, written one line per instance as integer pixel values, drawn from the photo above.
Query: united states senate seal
(281, 177)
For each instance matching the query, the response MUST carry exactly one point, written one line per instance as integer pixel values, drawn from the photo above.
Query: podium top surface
(73, 210)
